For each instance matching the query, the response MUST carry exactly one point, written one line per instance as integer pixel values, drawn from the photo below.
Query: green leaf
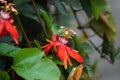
(37, 44)
(102, 4)
(83, 48)
(28, 11)
(7, 50)
(66, 20)
(118, 51)
(75, 42)
(60, 6)
(108, 48)
(97, 7)
(74, 3)
(105, 49)
(100, 28)
(29, 16)
(31, 64)
(4, 75)
(19, 3)
(26, 54)
(87, 7)
(88, 70)
(47, 20)
(56, 60)
(117, 55)
(111, 20)
(86, 47)
(57, 30)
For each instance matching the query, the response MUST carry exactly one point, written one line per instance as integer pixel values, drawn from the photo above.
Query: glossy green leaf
(60, 6)
(86, 47)
(56, 60)
(97, 6)
(75, 42)
(108, 48)
(20, 3)
(4, 75)
(83, 48)
(67, 20)
(118, 50)
(102, 4)
(28, 11)
(100, 28)
(88, 70)
(115, 53)
(110, 20)
(86, 7)
(31, 64)
(105, 49)
(117, 56)
(7, 50)
(47, 20)
(56, 29)
(73, 3)
(37, 44)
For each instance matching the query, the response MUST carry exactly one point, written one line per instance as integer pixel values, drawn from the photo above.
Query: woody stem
(39, 18)
(23, 32)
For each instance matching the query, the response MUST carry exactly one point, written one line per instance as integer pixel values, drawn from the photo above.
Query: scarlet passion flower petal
(15, 40)
(74, 54)
(47, 48)
(1, 27)
(69, 61)
(4, 32)
(62, 55)
(11, 29)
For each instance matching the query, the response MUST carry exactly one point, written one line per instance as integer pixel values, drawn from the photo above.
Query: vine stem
(82, 29)
(39, 17)
(23, 32)
(22, 29)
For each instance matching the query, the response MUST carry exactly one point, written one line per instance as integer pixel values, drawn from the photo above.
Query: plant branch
(23, 32)
(39, 18)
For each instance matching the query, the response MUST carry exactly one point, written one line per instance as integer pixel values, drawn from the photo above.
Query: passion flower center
(4, 15)
(62, 40)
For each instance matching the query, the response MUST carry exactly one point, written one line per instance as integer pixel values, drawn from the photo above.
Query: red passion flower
(6, 26)
(59, 45)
